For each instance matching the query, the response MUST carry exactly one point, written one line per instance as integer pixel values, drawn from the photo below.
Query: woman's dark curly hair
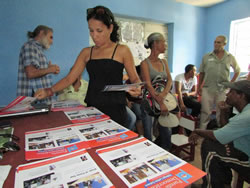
(104, 15)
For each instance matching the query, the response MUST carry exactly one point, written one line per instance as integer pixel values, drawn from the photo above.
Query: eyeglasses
(96, 11)
(99, 10)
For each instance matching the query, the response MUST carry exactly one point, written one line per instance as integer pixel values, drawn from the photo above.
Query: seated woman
(76, 91)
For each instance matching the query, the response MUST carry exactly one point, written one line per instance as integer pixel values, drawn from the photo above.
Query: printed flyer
(86, 115)
(20, 104)
(141, 163)
(70, 138)
(72, 170)
(68, 105)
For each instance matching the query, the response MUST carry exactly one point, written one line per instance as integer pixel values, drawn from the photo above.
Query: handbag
(150, 104)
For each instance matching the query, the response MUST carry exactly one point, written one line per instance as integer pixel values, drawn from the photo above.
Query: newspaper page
(21, 103)
(86, 115)
(141, 163)
(70, 138)
(70, 170)
(67, 105)
(123, 87)
(104, 132)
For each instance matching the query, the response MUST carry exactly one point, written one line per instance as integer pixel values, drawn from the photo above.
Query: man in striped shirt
(34, 69)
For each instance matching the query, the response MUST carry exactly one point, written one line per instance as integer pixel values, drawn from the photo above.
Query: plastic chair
(180, 141)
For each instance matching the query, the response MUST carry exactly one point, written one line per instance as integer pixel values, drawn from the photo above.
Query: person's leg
(165, 137)
(207, 102)
(147, 123)
(131, 119)
(221, 96)
(136, 108)
(117, 113)
(191, 102)
(217, 163)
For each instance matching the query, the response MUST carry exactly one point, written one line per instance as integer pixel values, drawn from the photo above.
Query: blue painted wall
(191, 33)
(219, 17)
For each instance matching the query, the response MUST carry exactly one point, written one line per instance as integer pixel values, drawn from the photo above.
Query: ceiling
(201, 3)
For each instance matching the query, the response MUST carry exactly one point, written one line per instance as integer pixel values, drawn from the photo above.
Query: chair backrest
(187, 123)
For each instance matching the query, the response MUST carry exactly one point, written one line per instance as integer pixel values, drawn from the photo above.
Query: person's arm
(145, 75)
(193, 91)
(224, 112)
(75, 72)
(200, 82)
(169, 82)
(248, 76)
(209, 134)
(129, 64)
(128, 61)
(32, 72)
(236, 69)
(178, 86)
(236, 74)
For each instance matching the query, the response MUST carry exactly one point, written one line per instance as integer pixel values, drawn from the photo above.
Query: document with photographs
(76, 169)
(141, 163)
(86, 115)
(56, 141)
(67, 105)
(123, 87)
(21, 103)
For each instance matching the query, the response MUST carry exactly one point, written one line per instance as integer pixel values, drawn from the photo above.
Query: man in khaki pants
(214, 71)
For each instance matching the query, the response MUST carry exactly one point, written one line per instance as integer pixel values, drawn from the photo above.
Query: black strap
(91, 53)
(114, 51)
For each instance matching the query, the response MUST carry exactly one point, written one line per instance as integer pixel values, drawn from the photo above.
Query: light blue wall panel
(68, 19)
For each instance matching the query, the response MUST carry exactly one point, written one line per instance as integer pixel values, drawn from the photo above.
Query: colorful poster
(68, 105)
(86, 115)
(20, 104)
(56, 141)
(141, 163)
(76, 169)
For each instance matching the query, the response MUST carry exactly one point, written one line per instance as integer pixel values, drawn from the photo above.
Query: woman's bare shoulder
(123, 48)
(85, 53)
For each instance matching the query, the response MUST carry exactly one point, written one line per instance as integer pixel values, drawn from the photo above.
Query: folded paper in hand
(124, 87)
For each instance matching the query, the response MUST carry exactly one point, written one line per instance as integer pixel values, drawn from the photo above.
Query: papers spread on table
(23, 105)
(141, 163)
(124, 87)
(67, 105)
(76, 169)
(20, 104)
(70, 138)
(5, 169)
(85, 115)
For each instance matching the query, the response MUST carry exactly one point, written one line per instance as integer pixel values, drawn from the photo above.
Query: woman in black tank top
(104, 62)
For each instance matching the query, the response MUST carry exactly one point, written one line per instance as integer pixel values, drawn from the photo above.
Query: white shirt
(186, 86)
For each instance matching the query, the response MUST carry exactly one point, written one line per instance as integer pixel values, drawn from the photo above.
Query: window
(239, 44)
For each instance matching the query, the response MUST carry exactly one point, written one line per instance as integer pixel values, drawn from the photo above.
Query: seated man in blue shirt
(228, 147)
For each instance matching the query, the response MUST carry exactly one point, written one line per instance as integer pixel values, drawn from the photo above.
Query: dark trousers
(118, 113)
(218, 164)
(191, 102)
